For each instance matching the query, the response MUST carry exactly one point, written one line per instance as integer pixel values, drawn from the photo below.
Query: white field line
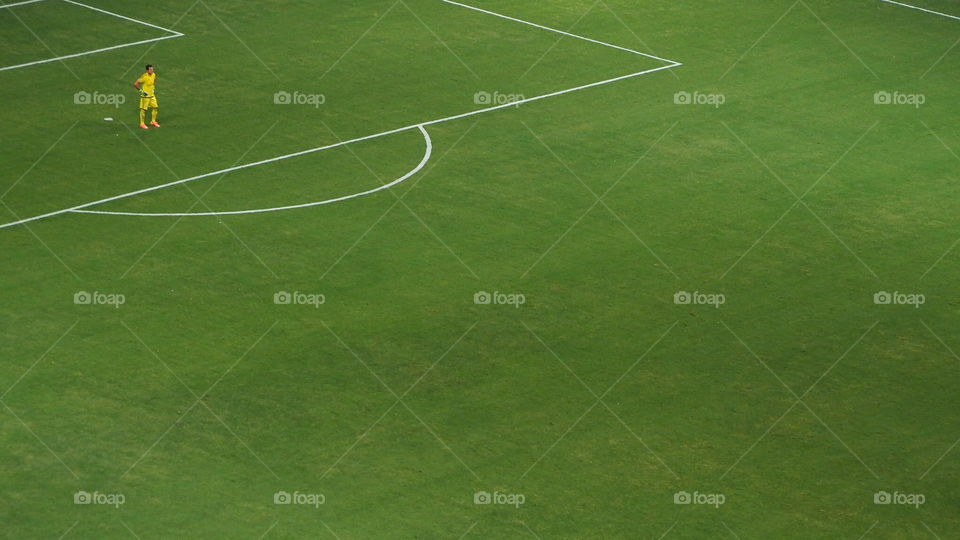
(426, 157)
(123, 17)
(20, 3)
(671, 64)
(535, 25)
(321, 148)
(173, 34)
(5, 68)
(922, 9)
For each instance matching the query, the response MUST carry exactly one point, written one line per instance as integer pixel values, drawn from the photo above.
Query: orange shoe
(143, 126)
(154, 124)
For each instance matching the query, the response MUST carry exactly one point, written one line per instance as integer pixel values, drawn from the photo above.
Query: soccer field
(491, 269)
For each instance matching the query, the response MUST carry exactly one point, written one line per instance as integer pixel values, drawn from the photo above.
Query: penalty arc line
(423, 162)
(670, 65)
(327, 147)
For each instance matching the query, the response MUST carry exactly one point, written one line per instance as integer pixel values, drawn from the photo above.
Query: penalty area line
(428, 152)
(420, 125)
(20, 3)
(172, 34)
(568, 34)
(922, 9)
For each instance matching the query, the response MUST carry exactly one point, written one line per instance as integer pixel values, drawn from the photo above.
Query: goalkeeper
(146, 85)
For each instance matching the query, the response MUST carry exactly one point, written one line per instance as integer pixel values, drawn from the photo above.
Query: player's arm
(136, 84)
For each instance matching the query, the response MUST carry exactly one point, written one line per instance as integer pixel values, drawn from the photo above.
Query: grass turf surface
(494, 398)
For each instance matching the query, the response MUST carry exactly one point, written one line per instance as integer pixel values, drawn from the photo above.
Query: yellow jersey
(147, 83)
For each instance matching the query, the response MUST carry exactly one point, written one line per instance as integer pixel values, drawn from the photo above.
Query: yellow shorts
(147, 102)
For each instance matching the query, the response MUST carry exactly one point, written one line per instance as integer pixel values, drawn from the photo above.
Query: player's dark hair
(149, 66)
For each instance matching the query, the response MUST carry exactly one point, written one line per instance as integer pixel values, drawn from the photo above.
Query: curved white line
(77, 209)
(426, 157)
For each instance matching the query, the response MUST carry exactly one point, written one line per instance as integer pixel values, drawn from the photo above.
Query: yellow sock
(142, 112)
(155, 111)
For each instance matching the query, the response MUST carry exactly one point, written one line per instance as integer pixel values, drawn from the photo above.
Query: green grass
(494, 398)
